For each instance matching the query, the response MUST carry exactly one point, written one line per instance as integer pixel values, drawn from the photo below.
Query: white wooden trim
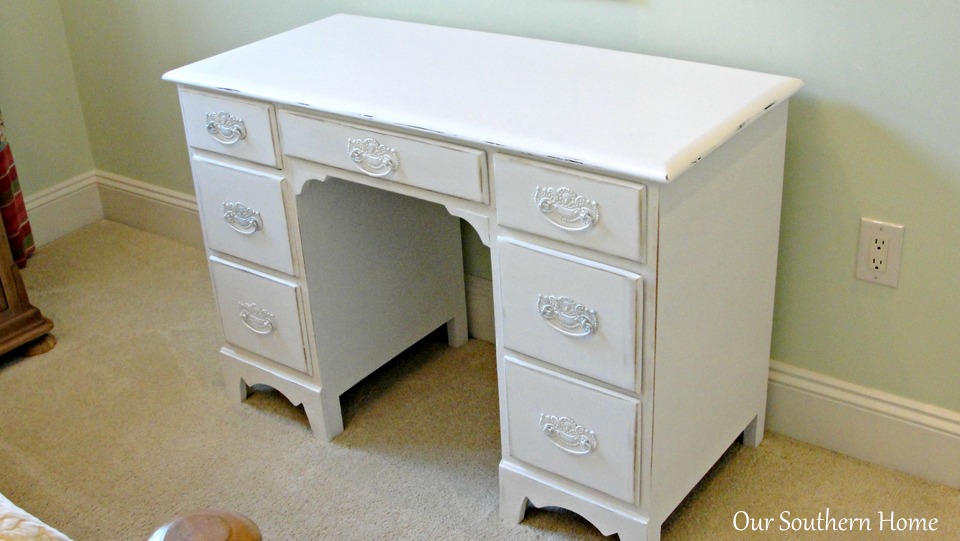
(150, 191)
(63, 208)
(97, 195)
(874, 426)
(480, 308)
(150, 208)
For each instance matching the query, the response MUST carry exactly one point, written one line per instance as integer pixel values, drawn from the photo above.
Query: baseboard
(877, 427)
(97, 195)
(480, 308)
(66, 207)
(150, 208)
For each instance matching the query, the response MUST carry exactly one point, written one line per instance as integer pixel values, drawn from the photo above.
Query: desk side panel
(719, 233)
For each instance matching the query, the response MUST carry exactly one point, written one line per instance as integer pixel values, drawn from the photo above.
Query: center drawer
(434, 166)
(571, 312)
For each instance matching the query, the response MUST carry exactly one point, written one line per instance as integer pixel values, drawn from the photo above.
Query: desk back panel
(382, 269)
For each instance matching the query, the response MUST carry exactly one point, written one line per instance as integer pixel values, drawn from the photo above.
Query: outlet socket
(878, 252)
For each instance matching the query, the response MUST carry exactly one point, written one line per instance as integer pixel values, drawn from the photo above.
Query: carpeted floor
(125, 424)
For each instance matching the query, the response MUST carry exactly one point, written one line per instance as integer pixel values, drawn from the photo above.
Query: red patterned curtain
(12, 209)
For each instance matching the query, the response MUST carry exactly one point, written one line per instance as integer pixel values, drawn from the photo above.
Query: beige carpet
(125, 424)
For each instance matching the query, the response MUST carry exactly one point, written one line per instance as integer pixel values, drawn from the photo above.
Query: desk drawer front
(581, 432)
(446, 169)
(260, 313)
(569, 206)
(243, 213)
(242, 129)
(570, 312)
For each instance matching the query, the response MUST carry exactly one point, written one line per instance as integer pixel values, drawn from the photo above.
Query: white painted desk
(631, 205)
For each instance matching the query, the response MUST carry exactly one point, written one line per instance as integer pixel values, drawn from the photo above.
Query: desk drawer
(571, 312)
(242, 129)
(433, 166)
(243, 213)
(581, 432)
(585, 210)
(260, 313)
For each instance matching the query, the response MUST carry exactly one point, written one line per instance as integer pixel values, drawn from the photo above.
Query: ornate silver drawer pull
(226, 128)
(566, 434)
(567, 315)
(565, 209)
(256, 318)
(373, 158)
(241, 218)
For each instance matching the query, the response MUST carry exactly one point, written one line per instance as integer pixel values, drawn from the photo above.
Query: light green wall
(876, 132)
(38, 96)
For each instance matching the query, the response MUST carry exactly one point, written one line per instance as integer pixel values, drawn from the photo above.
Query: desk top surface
(627, 114)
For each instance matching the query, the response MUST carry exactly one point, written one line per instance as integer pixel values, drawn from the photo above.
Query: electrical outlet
(878, 254)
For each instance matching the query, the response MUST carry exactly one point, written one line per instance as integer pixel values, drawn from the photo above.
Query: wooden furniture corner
(21, 324)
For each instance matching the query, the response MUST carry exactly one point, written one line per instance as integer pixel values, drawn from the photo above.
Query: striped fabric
(12, 209)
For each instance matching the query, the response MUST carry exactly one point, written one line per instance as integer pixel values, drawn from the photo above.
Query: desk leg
(324, 413)
(457, 335)
(753, 434)
(520, 488)
(322, 408)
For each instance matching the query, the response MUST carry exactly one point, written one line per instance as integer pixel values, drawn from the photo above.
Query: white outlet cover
(892, 235)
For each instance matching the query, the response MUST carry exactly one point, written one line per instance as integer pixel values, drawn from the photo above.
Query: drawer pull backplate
(242, 218)
(256, 318)
(226, 128)
(566, 434)
(565, 209)
(373, 158)
(568, 316)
